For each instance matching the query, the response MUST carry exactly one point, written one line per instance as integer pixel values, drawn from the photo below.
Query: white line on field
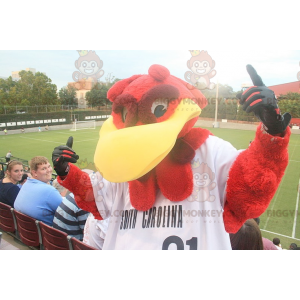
(273, 205)
(62, 133)
(274, 201)
(296, 214)
(295, 161)
(27, 138)
(280, 234)
(85, 140)
(61, 143)
(70, 133)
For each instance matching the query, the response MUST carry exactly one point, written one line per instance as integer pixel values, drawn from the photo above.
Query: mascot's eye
(84, 65)
(93, 65)
(159, 107)
(205, 177)
(196, 65)
(205, 65)
(124, 114)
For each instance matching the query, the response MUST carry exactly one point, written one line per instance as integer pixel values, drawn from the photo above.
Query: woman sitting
(247, 238)
(8, 186)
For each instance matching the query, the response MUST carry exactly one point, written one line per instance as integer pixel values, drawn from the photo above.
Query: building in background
(82, 87)
(280, 89)
(283, 89)
(16, 76)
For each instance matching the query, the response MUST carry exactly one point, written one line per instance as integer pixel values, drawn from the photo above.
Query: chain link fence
(8, 110)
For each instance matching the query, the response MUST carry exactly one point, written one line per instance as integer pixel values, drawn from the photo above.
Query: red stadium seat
(7, 221)
(78, 245)
(54, 239)
(28, 230)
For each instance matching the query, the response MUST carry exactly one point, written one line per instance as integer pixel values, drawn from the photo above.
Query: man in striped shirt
(68, 217)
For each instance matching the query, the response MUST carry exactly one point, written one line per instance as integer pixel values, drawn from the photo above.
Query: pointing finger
(256, 79)
(70, 142)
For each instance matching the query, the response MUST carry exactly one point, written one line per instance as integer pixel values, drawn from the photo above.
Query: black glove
(61, 157)
(262, 101)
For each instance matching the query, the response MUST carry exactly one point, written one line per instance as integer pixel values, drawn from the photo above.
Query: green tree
(289, 96)
(225, 91)
(45, 92)
(8, 92)
(37, 89)
(24, 86)
(110, 80)
(98, 95)
(67, 95)
(291, 106)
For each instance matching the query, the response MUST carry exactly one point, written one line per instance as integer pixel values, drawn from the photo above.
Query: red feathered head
(152, 98)
(150, 112)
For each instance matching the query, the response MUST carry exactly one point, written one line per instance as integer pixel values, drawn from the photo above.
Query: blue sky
(275, 67)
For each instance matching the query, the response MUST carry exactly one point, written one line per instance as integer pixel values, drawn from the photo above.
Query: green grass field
(281, 219)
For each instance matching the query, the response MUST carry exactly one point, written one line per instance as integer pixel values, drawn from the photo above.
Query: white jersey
(193, 224)
(95, 232)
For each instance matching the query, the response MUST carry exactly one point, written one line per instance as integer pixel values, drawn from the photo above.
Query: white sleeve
(93, 234)
(224, 155)
(105, 193)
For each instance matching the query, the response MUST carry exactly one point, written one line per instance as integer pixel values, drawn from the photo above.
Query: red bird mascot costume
(166, 185)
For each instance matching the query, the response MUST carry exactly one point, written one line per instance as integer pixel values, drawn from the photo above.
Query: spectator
(47, 128)
(247, 238)
(68, 217)
(63, 191)
(8, 186)
(276, 242)
(22, 130)
(8, 156)
(294, 247)
(37, 198)
(268, 245)
(1, 171)
(40, 129)
(24, 179)
(95, 232)
(5, 131)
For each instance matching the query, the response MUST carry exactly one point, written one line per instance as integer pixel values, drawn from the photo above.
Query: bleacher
(23, 161)
(35, 234)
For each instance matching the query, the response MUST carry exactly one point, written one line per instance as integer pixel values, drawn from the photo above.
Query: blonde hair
(37, 161)
(10, 166)
(13, 163)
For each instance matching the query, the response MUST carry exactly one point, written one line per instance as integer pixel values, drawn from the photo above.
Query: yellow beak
(128, 154)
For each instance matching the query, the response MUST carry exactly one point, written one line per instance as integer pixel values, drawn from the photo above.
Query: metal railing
(23, 161)
(7, 110)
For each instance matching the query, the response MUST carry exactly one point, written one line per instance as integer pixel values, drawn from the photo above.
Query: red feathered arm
(79, 183)
(254, 178)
